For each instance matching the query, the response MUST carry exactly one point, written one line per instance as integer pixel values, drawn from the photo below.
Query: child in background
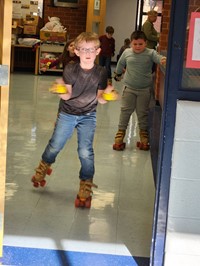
(126, 45)
(138, 81)
(86, 83)
(107, 51)
(149, 30)
(68, 56)
(151, 34)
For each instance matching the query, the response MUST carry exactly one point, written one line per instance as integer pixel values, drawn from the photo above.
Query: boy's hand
(108, 89)
(60, 81)
(58, 88)
(117, 77)
(163, 61)
(110, 94)
(65, 96)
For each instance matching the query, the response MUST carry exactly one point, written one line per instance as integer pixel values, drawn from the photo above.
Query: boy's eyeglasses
(86, 50)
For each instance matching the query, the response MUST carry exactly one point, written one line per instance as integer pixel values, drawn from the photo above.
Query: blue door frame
(173, 92)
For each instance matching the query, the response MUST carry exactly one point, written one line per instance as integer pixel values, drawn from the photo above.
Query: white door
(96, 13)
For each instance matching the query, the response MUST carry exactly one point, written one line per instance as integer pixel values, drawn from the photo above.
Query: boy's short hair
(87, 37)
(127, 41)
(152, 13)
(138, 34)
(110, 29)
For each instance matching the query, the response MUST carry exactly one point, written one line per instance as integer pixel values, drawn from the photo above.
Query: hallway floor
(42, 225)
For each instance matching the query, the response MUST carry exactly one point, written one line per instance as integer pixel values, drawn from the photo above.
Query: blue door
(182, 85)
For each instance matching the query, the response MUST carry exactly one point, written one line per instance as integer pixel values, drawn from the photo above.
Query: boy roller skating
(138, 81)
(86, 85)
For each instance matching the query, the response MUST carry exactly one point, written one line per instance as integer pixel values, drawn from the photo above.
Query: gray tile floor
(120, 219)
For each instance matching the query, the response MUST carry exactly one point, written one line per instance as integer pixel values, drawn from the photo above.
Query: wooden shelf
(52, 48)
(22, 56)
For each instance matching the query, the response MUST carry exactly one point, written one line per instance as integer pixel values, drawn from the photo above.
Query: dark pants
(105, 61)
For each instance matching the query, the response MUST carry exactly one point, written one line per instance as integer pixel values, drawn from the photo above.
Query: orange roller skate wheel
(119, 147)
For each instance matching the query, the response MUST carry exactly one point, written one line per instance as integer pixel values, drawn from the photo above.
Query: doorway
(5, 44)
(143, 6)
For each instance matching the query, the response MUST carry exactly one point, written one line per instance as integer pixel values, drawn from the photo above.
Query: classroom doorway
(5, 44)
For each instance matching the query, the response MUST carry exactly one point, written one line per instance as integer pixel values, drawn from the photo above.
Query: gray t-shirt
(85, 84)
(138, 72)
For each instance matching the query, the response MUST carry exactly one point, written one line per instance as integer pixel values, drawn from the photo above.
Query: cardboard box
(17, 26)
(31, 30)
(33, 20)
(17, 30)
(51, 36)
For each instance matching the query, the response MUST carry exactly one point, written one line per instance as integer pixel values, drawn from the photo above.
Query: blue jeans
(65, 125)
(105, 61)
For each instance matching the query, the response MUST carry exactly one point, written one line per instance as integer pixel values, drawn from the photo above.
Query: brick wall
(163, 39)
(74, 19)
(165, 24)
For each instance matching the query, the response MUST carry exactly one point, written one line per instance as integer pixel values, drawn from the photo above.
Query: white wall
(183, 225)
(121, 15)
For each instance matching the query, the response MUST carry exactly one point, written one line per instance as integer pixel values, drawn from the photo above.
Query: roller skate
(119, 145)
(84, 196)
(143, 144)
(40, 172)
